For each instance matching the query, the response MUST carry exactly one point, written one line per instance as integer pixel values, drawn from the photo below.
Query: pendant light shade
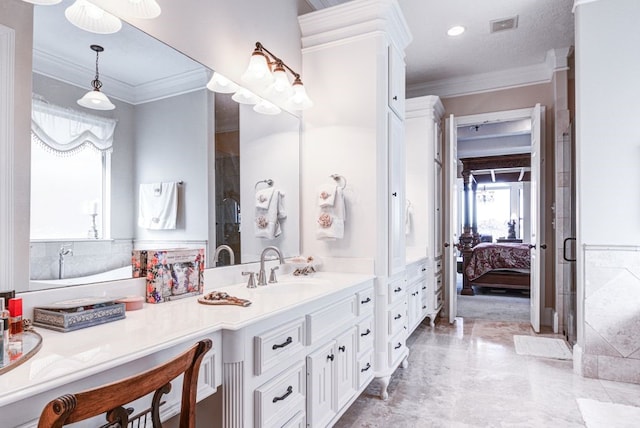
(299, 100)
(94, 99)
(258, 70)
(43, 2)
(266, 107)
(90, 17)
(219, 83)
(145, 9)
(245, 96)
(280, 89)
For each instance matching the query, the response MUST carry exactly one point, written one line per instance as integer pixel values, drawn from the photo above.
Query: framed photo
(170, 274)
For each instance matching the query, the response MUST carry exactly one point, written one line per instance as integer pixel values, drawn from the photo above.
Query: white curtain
(65, 131)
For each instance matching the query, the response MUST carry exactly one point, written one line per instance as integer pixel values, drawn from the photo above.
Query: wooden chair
(111, 398)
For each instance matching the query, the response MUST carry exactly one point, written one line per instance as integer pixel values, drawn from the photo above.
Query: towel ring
(268, 181)
(339, 178)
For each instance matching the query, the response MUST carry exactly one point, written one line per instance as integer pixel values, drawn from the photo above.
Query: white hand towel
(267, 220)
(158, 210)
(326, 195)
(263, 198)
(331, 220)
(408, 214)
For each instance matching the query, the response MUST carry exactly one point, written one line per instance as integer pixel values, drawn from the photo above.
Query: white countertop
(67, 357)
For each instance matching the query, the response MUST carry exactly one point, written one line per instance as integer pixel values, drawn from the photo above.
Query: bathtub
(112, 275)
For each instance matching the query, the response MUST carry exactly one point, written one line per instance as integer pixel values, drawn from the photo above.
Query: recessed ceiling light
(456, 30)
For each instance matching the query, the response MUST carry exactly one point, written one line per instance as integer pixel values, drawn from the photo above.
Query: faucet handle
(251, 283)
(272, 275)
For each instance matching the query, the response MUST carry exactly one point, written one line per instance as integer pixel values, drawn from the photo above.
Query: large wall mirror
(167, 128)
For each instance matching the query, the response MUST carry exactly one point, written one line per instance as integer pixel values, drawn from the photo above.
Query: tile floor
(469, 375)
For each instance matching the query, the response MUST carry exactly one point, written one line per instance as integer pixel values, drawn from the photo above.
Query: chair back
(111, 398)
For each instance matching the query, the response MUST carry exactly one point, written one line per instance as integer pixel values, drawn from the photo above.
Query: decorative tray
(222, 298)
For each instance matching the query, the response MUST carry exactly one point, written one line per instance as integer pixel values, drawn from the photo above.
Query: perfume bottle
(15, 316)
(4, 330)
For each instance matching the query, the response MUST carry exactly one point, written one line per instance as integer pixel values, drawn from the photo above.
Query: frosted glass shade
(299, 100)
(219, 83)
(245, 96)
(280, 90)
(96, 100)
(90, 17)
(258, 70)
(145, 9)
(266, 107)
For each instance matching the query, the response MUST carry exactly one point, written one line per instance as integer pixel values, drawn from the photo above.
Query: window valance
(65, 131)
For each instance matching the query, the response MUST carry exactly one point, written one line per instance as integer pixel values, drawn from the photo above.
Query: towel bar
(268, 181)
(339, 178)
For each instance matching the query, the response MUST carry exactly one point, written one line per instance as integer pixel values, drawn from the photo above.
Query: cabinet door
(396, 81)
(396, 198)
(345, 352)
(438, 235)
(320, 386)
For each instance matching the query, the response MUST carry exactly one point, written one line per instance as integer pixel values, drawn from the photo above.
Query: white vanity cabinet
(301, 365)
(416, 293)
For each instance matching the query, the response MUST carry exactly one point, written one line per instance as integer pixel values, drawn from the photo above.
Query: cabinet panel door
(320, 385)
(397, 195)
(345, 362)
(396, 81)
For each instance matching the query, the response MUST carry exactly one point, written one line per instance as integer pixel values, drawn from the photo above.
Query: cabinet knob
(395, 98)
(395, 193)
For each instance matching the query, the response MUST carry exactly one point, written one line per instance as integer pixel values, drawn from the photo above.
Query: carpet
(494, 307)
(546, 347)
(598, 414)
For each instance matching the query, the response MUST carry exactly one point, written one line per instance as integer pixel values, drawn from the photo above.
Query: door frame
(503, 116)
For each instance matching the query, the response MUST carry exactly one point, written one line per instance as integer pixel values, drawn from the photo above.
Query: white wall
(608, 200)
(171, 145)
(269, 149)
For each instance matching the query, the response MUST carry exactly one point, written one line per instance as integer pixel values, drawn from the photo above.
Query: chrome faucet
(262, 280)
(216, 256)
(64, 251)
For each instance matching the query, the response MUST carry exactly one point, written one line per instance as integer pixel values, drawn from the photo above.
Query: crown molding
(65, 71)
(353, 19)
(483, 82)
(422, 106)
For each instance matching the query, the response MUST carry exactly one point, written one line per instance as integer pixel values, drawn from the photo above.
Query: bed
(501, 265)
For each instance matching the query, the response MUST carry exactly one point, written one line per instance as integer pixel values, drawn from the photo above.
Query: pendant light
(144, 9)
(94, 99)
(90, 17)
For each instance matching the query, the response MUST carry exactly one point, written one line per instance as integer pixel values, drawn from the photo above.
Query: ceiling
(477, 61)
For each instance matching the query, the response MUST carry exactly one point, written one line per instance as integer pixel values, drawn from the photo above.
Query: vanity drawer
(438, 283)
(416, 272)
(365, 302)
(438, 267)
(438, 299)
(365, 369)
(272, 347)
(298, 421)
(396, 289)
(396, 347)
(397, 317)
(365, 334)
(323, 322)
(279, 400)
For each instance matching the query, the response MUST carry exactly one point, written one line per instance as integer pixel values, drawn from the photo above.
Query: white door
(535, 295)
(451, 230)
(320, 385)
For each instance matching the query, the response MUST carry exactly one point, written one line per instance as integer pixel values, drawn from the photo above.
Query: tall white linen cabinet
(353, 68)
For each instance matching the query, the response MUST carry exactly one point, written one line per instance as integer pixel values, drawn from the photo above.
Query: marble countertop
(67, 357)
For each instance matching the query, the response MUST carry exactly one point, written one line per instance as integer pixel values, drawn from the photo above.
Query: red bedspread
(488, 256)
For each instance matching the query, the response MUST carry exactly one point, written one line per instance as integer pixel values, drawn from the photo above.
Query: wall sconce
(269, 73)
(90, 17)
(95, 99)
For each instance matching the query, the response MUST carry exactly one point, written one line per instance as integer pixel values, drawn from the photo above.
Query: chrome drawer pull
(286, 394)
(289, 341)
(398, 346)
(367, 300)
(367, 367)
(366, 333)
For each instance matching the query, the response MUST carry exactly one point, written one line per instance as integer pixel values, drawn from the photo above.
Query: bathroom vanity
(276, 359)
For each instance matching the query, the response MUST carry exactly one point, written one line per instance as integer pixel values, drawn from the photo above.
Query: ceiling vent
(504, 24)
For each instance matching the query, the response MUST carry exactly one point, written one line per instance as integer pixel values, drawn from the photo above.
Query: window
(498, 204)
(70, 171)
